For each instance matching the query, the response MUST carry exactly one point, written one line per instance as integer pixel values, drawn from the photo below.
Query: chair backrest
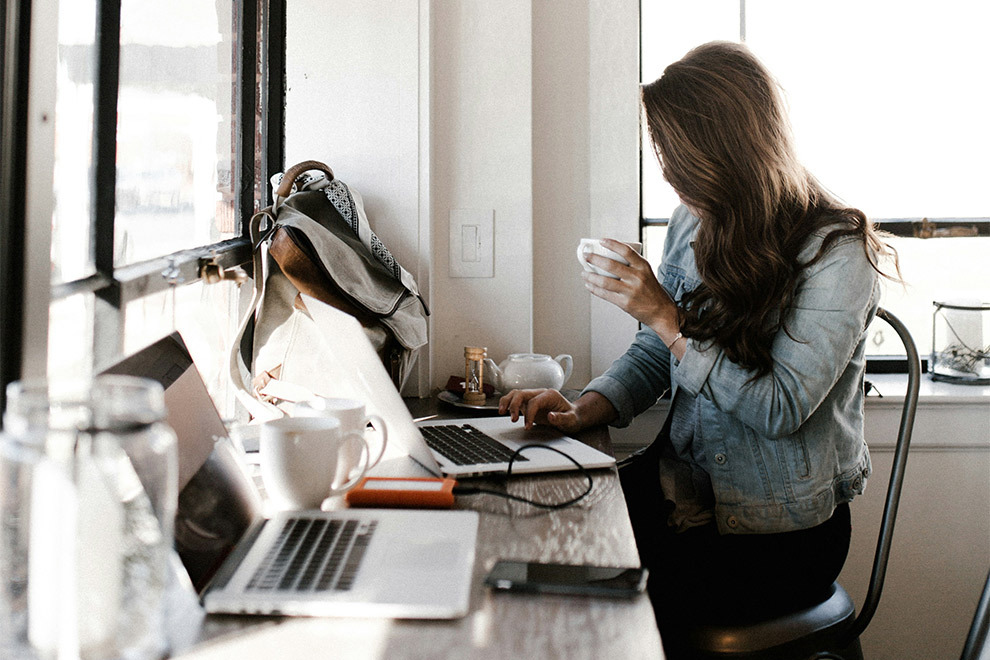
(976, 641)
(896, 479)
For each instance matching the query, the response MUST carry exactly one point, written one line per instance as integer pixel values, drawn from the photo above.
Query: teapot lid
(533, 357)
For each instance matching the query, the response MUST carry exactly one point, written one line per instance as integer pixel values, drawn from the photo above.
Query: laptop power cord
(461, 489)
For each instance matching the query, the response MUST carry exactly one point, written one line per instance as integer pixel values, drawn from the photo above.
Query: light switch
(469, 243)
(472, 243)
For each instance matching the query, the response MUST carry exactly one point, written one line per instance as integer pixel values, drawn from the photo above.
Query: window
(167, 123)
(887, 100)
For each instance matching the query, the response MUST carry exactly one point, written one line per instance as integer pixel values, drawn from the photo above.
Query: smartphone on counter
(573, 579)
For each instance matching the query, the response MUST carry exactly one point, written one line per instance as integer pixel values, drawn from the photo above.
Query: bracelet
(674, 340)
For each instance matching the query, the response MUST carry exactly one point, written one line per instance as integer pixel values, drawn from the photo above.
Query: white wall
(520, 108)
(561, 174)
(614, 155)
(353, 101)
(481, 123)
(585, 170)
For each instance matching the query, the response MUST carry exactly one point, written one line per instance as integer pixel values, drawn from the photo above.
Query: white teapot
(526, 370)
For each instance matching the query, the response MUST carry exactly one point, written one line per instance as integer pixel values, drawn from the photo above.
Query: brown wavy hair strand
(717, 125)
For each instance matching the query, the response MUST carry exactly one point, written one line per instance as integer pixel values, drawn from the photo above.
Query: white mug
(353, 420)
(594, 246)
(302, 459)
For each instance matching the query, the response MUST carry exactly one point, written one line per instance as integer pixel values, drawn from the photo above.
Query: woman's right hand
(541, 406)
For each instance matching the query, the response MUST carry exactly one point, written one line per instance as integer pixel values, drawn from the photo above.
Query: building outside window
(887, 101)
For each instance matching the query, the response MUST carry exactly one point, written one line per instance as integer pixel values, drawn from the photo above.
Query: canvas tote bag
(316, 239)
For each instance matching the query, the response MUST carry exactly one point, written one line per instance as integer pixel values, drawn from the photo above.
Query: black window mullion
(16, 24)
(273, 94)
(108, 313)
(104, 172)
(247, 76)
(936, 227)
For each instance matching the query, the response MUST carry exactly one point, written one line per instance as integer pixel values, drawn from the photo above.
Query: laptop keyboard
(466, 445)
(313, 554)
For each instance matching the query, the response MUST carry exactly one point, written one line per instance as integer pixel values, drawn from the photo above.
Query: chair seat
(783, 636)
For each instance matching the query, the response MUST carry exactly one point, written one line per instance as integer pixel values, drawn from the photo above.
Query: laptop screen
(218, 501)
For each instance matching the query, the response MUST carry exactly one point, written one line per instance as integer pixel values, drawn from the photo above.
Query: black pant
(701, 575)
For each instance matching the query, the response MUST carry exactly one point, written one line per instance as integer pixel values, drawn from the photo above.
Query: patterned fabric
(340, 196)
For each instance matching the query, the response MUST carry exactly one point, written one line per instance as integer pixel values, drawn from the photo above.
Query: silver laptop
(390, 563)
(357, 372)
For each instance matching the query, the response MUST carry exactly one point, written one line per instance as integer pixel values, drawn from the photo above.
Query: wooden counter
(595, 530)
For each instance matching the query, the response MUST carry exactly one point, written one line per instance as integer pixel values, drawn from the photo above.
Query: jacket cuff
(693, 369)
(618, 395)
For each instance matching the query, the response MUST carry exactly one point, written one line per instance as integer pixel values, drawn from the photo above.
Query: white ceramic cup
(353, 421)
(303, 458)
(594, 246)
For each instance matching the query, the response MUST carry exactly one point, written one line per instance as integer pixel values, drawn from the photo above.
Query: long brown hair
(718, 127)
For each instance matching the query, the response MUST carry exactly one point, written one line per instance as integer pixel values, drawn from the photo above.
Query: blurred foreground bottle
(88, 481)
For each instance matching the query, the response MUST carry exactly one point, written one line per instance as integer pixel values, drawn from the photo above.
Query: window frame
(260, 34)
(924, 228)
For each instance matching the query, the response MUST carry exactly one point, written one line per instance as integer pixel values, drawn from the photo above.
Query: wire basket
(961, 342)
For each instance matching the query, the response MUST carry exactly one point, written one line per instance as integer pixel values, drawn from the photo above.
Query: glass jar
(961, 342)
(90, 478)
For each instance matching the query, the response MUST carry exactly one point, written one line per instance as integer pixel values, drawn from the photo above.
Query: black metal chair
(976, 642)
(830, 629)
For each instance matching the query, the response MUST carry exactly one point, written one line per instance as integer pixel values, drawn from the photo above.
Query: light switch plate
(472, 243)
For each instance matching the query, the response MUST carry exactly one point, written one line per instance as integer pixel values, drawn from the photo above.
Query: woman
(757, 325)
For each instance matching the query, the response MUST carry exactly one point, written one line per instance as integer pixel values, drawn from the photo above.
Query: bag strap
(284, 188)
(262, 226)
(291, 174)
(239, 367)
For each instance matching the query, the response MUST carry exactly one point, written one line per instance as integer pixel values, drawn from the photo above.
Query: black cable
(474, 490)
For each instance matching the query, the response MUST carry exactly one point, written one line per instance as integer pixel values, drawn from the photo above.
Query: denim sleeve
(636, 380)
(833, 306)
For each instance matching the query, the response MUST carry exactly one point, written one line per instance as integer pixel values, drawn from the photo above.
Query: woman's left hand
(637, 291)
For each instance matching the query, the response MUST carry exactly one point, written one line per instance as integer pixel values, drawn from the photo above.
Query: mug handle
(379, 424)
(363, 465)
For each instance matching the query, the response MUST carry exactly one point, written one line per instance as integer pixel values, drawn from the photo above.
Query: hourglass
(474, 375)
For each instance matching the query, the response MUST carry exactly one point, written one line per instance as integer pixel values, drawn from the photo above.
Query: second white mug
(353, 420)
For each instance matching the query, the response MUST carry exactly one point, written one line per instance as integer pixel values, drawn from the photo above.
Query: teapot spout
(493, 374)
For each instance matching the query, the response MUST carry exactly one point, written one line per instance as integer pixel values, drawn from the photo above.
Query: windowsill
(930, 392)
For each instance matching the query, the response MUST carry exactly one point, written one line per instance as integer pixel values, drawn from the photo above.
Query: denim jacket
(784, 449)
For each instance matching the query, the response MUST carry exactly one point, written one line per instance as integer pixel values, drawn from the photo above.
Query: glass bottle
(88, 507)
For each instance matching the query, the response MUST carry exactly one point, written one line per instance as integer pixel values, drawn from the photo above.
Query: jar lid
(969, 305)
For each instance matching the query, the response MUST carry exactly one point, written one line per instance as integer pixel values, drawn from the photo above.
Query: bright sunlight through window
(888, 101)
